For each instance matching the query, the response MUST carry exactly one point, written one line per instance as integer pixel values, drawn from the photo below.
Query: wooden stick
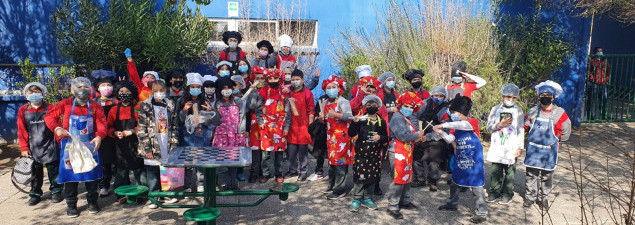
(294, 109)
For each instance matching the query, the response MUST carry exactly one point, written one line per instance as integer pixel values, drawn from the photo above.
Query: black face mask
(125, 98)
(372, 110)
(274, 85)
(178, 83)
(545, 100)
(416, 85)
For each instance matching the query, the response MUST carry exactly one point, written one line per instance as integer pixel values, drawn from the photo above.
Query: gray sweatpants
(398, 194)
(298, 158)
(481, 205)
(538, 184)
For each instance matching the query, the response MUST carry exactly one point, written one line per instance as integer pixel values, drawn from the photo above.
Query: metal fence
(609, 94)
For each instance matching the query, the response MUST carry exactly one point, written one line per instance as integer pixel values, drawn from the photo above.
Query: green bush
(56, 80)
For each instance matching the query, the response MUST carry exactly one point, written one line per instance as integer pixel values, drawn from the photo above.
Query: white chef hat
(194, 78)
(155, 74)
(210, 78)
(550, 87)
(285, 40)
(363, 71)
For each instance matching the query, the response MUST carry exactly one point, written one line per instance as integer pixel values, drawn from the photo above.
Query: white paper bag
(81, 157)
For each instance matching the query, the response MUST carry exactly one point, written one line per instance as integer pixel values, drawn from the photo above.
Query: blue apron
(467, 167)
(542, 144)
(81, 127)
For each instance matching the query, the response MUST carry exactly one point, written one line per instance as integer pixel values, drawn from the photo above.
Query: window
(303, 32)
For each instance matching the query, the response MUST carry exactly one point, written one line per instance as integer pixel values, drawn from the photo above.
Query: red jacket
(124, 114)
(299, 130)
(281, 58)
(58, 116)
(599, 71)
(144, 92)
(225, 57)
(23, 134)
(468, 88)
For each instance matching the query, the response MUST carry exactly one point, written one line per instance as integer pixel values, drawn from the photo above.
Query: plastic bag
(172, 178)
(204, 118)
(80, 157)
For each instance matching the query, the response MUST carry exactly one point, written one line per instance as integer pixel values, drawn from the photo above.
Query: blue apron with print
(467, 166)
(82, 128)
(542, 145)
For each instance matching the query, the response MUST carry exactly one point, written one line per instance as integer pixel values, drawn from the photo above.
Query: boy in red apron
(468, 165)
(273, 141)
(297, 126)
(84, 119)
(548, 125)
(337, 115)
(404, 133)
(37, 141)
(253, 108)
(459, 83)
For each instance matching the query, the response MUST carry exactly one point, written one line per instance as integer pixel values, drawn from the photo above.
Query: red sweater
(23, 134)
(58, 116)
(468, 88)
(144, 92)
(225, 57)
(281, 58)
(124, 114)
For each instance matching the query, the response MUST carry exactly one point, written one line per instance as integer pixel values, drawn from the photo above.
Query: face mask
(210, 91)
(599, 53)
(390, 84)
(82, 94)
(438, 100)
(125, 98)
(263, 53)
(274, 85)
(287, 78)
(243, 69)
(105, 91)
(233, 45)
(146, 81)
(545, 100)
(195, 91)
(178, 83)
(455, 117)
(332, 93)
(236, 91)
(159, 96)
(372, 110)
(226, 92)
(224, 73)
(509, 103)
(416, 84)
(406, 111)
(296, 83)
(35, 97)
(457, 79)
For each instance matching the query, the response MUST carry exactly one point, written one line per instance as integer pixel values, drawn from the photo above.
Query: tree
(620, 10)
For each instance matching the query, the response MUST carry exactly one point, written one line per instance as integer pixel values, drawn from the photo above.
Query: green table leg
(209, 190)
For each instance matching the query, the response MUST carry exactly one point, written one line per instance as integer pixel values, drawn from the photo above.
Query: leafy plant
(56, 80)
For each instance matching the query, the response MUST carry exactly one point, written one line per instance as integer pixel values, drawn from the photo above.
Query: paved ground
(592, 144)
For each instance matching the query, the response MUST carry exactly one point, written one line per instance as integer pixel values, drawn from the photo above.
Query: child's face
(273, 80)
(104, 85)
(124, 90)
(264, 49)
(286, 49)
(32, 90)
(509, 98)
(260, 78)
(390, 79)
(409, 106)
(238, 86)
(242, 63)
(372, 104)
(157, 88)
(232, 40)
(439, 96)
(415, 80)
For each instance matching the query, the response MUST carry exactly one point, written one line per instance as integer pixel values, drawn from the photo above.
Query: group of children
(132, 124)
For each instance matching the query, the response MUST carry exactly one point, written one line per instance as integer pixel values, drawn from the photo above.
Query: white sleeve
(480, 82)
(448, 138)
(457, 125)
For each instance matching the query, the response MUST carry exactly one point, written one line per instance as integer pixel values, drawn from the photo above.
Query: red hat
(341, 83)
(257, 70)
(273, 72)
(369, 80)
(410, 98)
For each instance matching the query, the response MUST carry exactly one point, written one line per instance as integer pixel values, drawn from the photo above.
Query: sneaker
(334, 196)
(504, 201)
(93, 208)
(448, 208)
(264, 179)
(72, 212)
(378, 191)
(56, 198)
(395, 214)
(103, 192)
(280, 179)
(528, 204)
(291, 174)
(34, 200)
(408, 206)
(315, 177)
(368, 203)
(417, 184)
(302, 177)
(171, 200)
(240, 177)
(355, 206)
(477, 219)
(328, 191)
(152, 206)
(492, 198)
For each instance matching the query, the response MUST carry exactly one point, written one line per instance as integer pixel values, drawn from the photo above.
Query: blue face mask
(243, 69)
(390, 84)
(195, 91)
(406, 111)
(235, 91)
(509, 103)
(457, 79)
(332, 93)
(438, 100)
(455, 117)
(35, 97)
(224, 73)
(599, 53)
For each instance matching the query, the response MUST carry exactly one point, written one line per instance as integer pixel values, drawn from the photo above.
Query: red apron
(403, 158)
(273, 114)
(254, 134)
(338, 142)
(299, 130)
(226, 134)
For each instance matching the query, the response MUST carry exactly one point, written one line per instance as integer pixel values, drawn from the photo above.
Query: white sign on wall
(232, 9)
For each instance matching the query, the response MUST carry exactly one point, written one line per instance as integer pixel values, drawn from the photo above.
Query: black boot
(71, 211)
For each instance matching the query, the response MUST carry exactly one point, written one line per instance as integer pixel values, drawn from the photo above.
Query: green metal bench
(132, 192)
(201, 215)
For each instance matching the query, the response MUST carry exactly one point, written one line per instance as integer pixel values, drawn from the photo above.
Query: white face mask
(159, 96)
(233, 45)
(210, 91)
(226, 92)
(296, 83)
